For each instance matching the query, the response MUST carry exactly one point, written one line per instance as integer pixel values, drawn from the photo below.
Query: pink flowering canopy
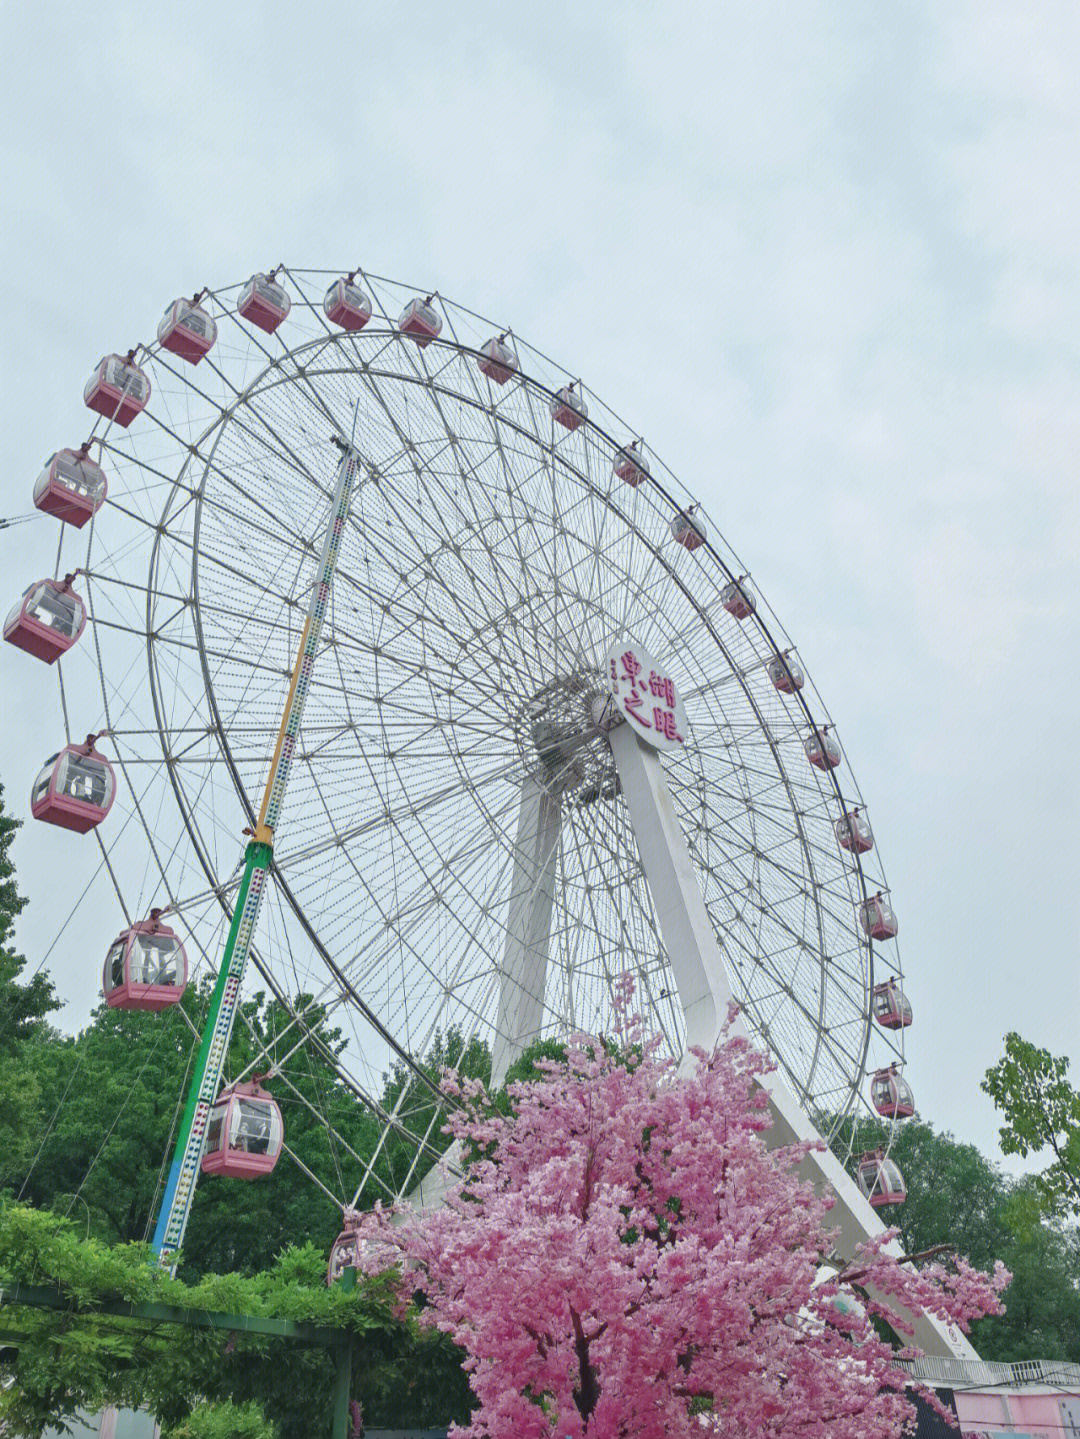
(626, 1259)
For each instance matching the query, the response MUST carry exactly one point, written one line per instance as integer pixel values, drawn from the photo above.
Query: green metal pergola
(337, 1341)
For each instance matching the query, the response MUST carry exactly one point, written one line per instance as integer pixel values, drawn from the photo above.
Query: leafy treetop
(1042, 1111)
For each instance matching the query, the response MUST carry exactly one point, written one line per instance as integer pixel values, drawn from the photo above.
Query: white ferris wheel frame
(689, 936)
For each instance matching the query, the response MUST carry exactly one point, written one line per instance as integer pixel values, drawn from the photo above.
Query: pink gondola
(146, 967)
(420, 321)
(48, 619)
(853, 832)
(345, 1251)
(187, 330)
(117, 389)
(738, 598)
(75, 789)
(71, 486)
(891, 1095)
(877, 918)
(786, 673)
(244, 1133)
(688, 528)
(890, 1005)
(345, 304)
(568, 408)
(880, 1180)
(822, 749)
(352, 1250)
(498, 360)
(630, 465)
(264, 302)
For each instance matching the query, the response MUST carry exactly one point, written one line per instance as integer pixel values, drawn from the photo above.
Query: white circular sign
(644, 692)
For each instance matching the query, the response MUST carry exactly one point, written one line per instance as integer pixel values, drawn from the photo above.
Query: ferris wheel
(537, 652)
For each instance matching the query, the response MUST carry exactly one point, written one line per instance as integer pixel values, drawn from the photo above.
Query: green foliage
(223, 1421)
(108, 1098)
(957, 1197)
(1042, 1112)
(11, 902)
(1043, 1302)
(115, 1089)
(23, 1008)
(525, 1069)
(416, 1107)
(86, 1128)
(65, 1362)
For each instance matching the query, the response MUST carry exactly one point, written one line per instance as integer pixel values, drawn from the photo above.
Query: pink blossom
(627, 1260)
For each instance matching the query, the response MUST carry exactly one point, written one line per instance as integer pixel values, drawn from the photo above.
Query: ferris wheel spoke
(771, 855)
(458, 979)
(450, 594)
(363, 829)
(267, 1054)
(585, 876)
(509, 528)
(468, 472)
(338, 425)
(212, 467)
(488, 601)
(454, 863)
(151, 476)
(460, 851)
(785, 996)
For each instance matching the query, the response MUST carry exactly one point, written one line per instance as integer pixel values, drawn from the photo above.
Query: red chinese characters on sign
(647, 695)
(664, 723)
(663, 687)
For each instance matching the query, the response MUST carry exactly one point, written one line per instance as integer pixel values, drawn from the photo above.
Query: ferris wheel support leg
(698, 969)
(528, 931)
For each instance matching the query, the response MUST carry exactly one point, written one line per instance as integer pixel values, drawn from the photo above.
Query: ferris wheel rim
(730, 570)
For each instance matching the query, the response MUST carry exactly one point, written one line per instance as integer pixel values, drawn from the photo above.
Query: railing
(984, 1373)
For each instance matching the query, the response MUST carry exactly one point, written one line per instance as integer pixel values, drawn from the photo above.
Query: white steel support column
(698, 969)
(528, 933)
(523, 977)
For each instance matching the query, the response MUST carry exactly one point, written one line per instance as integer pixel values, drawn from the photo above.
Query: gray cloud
(825, 261)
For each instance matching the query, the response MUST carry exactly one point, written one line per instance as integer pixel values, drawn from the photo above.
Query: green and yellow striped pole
(206, 1081)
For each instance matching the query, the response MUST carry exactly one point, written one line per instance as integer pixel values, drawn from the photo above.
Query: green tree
(955, 1196)
(1029, 1086)
(23, 1010)
(223, 1421)
(417, 1109)
(1042, 1318)
(112, 1096)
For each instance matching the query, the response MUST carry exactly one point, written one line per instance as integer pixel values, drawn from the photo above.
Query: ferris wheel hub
(561, 741)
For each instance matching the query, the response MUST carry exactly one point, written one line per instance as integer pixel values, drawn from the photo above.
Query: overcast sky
(824, 256)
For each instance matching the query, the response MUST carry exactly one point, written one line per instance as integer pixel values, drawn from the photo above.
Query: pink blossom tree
(626, 1259)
